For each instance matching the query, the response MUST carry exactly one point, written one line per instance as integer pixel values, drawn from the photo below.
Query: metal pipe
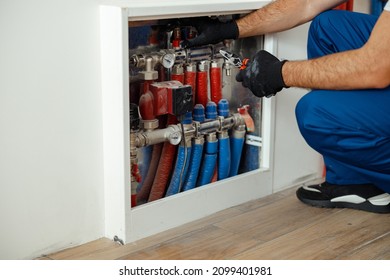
(178, 55)
(173, 133)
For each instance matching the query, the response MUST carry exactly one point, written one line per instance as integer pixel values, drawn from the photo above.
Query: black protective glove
(263, 75)
(211, 31)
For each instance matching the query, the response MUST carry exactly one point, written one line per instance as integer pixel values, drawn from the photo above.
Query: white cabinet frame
(131, 224)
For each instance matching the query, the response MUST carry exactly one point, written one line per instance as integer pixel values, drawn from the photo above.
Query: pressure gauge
(175, 138)
(168, 60)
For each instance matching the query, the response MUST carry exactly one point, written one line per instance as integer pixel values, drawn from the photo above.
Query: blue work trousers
(350, 128)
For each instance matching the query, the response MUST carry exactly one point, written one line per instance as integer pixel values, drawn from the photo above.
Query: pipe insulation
(134, 168)
(143, 164)
(236, 146)
(211, 114)
(202, 85)
(252, 154)
(135, 179)
(174, 185)
(163, 172)
(178, 73)
(164, 168)
(176, 38)
(223, 108)
(215, 82)
(149, 121)
(181, 167)
(211, 111)
(209, 160)
(194, 165)
(196, 153)
(144, 191)
(224, 143)
(223, 155)
(182, 161)
(198, 113)
(208, 167)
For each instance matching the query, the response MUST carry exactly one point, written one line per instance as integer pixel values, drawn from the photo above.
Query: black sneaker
(366, 197)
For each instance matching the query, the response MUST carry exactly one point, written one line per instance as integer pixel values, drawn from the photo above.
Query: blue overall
(350, 128)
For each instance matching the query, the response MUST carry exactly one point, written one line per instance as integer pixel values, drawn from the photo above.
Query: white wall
(362, 6)
(51, 165)
(294, 161)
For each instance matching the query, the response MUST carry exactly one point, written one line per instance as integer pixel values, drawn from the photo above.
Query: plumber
(346, 115)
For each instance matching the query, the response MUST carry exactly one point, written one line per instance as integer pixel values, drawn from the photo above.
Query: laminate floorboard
(276, 227)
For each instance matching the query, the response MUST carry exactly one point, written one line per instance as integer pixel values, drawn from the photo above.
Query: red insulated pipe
(178, 77)
(190, 79)
(164, 168)
(178, 73)
(215, 82)
(176, 38)
(136, 175)
(216, 96)
(144, 192)
(201, 88)
(215, 175)
(146, 108)
(345, 6)
(350, 5)
(168, 153)
(163, 173)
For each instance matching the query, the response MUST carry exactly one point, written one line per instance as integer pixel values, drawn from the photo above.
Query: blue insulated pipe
(211, 149)
(182, 161)
(196, 153)
(198, 113)
(181, 168)
(223, 108)
(251, 157)
(144, 163)
(223, 155)
(209, 160)
(224, 143)
(193, 169)
(211, 111)
(236, 145)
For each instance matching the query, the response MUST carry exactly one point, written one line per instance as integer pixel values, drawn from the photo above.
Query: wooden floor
(275, 227)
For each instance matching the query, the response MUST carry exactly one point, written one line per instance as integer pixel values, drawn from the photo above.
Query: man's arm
(277, 16)
(281, 15)
(367, 67)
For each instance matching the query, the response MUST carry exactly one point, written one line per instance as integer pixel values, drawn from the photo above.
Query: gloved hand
(263, 75)
(211, 31)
